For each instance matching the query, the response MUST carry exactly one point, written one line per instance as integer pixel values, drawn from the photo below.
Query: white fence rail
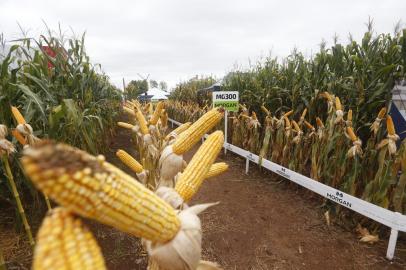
(394, 220)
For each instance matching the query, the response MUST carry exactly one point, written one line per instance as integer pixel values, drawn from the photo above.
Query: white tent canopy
(157, 94)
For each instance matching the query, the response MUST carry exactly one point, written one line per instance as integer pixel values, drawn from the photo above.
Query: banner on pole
(226, 99)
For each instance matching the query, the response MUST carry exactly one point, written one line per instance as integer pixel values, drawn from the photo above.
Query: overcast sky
(174, 40)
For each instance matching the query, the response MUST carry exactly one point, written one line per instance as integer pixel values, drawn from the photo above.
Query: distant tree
(163, 85)
(153, 84)
(135, 88)
(187, 91)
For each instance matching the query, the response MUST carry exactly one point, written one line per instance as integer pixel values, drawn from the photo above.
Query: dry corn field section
(260, 223)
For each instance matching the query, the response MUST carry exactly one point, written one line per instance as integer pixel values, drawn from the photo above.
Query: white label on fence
(226, 99)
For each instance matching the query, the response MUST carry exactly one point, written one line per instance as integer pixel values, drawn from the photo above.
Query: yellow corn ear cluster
(18, 116)
(216, 169)
(125, 125)
(141, 122)
(196, 171)
(129, 161)
(192, 135)
(389, 125)
(351, 134)
(93, 188)
(155, 116)
(63, 242)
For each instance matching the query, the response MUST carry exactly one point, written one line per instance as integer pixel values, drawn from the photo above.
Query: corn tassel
(93, 188)
(63, 242)
(194, 174)
(192, 135)
(129, 161)
(216, 169)
(155, 117)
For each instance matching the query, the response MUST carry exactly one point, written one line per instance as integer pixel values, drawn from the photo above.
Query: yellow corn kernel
(338, 104)
(382, 113)
(390, 126)
(19, 137)
(192, 135)
(288, 113)
(141, 122)
(197, 169)
(157, 113)
(319, 122)
(129, 111)
(351, 133)
(129, 161)
(17, 115)
(296, 126)
(64, 242)
(125, 125)
(349, 115)
(216, 169)
(93, 188)
(308, 125)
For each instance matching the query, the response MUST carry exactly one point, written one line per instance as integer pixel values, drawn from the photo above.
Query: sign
(226, 99)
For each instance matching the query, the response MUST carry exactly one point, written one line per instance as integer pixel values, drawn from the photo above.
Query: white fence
(394, 220)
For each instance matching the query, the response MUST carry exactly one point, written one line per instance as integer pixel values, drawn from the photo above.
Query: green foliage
(62, 95)
(187, 91)
(153, 84)
(135, 88)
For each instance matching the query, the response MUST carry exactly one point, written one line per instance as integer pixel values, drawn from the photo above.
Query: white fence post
(390, 252)
(225, 130)
(247, 165)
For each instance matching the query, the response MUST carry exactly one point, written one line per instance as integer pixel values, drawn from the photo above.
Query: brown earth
(260, 223)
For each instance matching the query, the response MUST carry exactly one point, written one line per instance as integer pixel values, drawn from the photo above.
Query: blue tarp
(398, 120)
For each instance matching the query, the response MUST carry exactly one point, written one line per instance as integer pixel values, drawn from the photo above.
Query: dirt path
(261, 223)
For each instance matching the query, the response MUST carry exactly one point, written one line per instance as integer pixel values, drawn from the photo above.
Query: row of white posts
(394, 220)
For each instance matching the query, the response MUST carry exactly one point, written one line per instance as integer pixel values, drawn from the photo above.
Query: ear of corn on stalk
(93, 188)
(199, 166)
(216, 169)
(129, 161)
(155, 117)
(63, 242)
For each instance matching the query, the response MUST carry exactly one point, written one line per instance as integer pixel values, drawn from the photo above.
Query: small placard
(226, 99)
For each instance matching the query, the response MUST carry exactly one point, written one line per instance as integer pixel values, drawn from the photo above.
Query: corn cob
(18, 116)
(216, 169)
(349, 115)
(194, 174)
(129, 111)
(389, 125)
(129, 161)
(288, 113)
(192, 135)
(382, 113)
(141, 122)
(351, 134)
(296, 126)
(125, 125)
(319, 122)
(65, 243)
(308, 125)
(265, 110)
(93, 188)
(157, 113)
(179, 129)
(338, 104)
(164, 118)
(19, 137)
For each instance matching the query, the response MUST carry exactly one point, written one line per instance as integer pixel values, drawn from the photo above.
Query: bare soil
(262, 222)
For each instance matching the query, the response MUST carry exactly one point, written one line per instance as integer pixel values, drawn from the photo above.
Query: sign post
(229, 101)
